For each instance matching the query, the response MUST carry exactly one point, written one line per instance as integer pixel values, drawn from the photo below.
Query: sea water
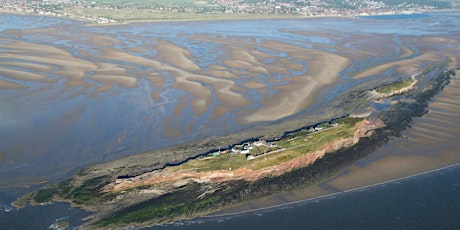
(427, 201)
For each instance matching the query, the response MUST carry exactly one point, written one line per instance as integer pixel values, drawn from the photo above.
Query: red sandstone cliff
(169, 179)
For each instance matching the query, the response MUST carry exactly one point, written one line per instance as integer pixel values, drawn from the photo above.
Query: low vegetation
(195, 199)
(188, 202)
(294, 145)
(387, 89)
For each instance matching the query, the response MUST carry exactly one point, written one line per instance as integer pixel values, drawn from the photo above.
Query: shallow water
(426, 201)
(52, 128)
(423, 201)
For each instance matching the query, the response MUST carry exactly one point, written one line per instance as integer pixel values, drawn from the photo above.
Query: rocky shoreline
(193, 199)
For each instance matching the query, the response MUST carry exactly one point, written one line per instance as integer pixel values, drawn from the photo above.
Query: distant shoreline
(229, 17)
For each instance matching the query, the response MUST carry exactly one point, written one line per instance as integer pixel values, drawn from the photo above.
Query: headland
(215, 180)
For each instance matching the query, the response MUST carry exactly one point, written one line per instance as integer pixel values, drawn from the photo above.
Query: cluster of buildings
(319, 7)
(253, 149)
(51, 8)
(294, 7)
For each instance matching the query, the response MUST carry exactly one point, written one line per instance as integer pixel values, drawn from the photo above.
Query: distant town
(106, 11)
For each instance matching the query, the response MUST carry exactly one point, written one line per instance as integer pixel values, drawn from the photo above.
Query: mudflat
(139, 87)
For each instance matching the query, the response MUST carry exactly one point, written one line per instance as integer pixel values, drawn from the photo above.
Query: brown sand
(323, 70)
(420, 152)
(405, 52)
(21, 75)
(10, 85)
(176, 55)
(408, 67)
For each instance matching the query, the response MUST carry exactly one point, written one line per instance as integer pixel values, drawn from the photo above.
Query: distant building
(246, 151)
(318, 128)
(260, 143)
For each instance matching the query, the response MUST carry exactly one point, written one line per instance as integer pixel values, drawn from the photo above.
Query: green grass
(44, 195)
(297, 144)
(222, 162)
(87, 193)
(126, 14)
(151, 3)
(181, 203)
(387, 89)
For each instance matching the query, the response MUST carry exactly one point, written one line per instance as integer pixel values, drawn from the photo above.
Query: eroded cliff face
(168, 179)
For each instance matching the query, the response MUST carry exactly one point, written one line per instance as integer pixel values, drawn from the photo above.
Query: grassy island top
(261, 154)
(211, 181)
(398, 85)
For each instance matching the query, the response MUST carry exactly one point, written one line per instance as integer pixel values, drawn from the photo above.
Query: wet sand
(323, 69)
(422, 149)
(148, 86)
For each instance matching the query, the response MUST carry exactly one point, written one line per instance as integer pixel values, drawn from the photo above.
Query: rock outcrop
(168, 178)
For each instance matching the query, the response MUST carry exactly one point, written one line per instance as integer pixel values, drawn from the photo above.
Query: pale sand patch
(189, 82)
(323, 70)
(243, 59)
(136, 49)
(227, 98)
(111, 73)
(272, 201)
(28, 65)
(176, 55)
(259, 54)
(10, 85)
(72, 68)
(278, 68)
(221, 74)
(245, 73)
(355, 51)
(386, 169)
(404, 66)
(217, 67)
(245, 65)
(15, 46)
(156, 81)
(453, 59)
(100, 40)
(291, 64)
(242, 55)
(254, 84)
(104, 88)
(21, 75)
(405, 52)
(121, 80)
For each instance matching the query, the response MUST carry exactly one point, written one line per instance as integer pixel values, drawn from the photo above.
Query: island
(123, 194)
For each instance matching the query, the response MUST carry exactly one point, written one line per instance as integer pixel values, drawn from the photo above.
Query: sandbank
(323, 70)
(408, 67)
(176, 55)
(415, 154)
(10, 85)
(21, 75)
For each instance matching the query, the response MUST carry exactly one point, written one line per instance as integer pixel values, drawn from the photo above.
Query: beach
(158, 93)
(421, 150)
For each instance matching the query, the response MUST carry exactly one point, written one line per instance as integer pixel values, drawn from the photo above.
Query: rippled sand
(137, 87)
(430, 143)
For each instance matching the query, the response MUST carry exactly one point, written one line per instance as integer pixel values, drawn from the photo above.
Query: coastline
(364, 173)
(309, 199)
(396, 118)
(230, 17)
(224, 141)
